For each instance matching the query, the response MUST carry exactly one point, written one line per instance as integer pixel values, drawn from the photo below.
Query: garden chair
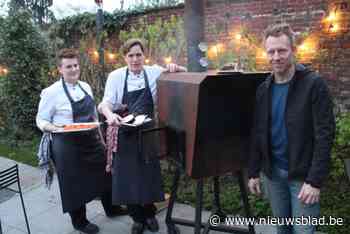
(7, 178)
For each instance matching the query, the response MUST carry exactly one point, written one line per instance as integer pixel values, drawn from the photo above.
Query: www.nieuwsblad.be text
(216, 220)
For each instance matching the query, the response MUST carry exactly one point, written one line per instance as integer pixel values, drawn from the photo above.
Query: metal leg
(245, 200)
(172, 229)
(199, 204)
(217, 205)
(22, 201)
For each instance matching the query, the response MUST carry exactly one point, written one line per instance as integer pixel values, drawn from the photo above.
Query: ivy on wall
(164, 39)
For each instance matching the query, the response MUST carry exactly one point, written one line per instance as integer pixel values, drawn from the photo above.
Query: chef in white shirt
(78, 156)
(135, 181)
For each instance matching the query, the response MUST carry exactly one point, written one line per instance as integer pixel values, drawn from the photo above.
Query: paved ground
(46, 217)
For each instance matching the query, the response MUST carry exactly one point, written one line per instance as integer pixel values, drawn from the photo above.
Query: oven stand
(197, 223)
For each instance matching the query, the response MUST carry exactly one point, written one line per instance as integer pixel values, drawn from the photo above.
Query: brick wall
(303, 15)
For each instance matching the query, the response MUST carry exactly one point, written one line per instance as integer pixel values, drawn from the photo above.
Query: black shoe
(90, 228)
(116, 211)
(137, 228)
(152, 224)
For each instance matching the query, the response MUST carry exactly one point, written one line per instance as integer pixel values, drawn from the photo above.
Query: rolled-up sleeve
(46, 109)
(110, 94)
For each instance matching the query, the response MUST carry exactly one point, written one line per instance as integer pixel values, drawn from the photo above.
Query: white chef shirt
(114, 89)
(55, 107)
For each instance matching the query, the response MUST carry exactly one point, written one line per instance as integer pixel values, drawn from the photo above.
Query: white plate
(139, 119)
(139, 124)
(128, 118)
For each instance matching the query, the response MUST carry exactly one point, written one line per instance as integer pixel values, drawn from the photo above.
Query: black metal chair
(7, 178)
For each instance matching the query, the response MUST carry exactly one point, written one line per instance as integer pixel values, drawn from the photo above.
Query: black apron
(79, 158)
(136, 180)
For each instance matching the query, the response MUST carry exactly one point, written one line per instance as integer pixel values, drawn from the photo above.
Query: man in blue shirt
(293, 134)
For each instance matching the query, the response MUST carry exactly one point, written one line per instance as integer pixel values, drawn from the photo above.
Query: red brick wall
(303, 15)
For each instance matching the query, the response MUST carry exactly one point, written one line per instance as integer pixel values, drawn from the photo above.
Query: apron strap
(67, 92)
(125, 90)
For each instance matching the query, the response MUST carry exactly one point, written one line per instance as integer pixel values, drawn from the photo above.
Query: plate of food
(134, 121)
(78, 127)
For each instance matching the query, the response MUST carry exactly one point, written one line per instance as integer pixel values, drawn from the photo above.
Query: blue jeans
(283, 196)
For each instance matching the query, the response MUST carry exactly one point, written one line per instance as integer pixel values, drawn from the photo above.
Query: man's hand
(254, 186)
(114, 119)
(172, 67)
(51, 127)
(309, 194)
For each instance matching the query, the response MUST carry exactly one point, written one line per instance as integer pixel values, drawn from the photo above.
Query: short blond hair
(131, 43)
(277, 30)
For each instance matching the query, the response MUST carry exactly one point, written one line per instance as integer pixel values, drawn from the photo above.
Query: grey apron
(136, 180)
(79, 158)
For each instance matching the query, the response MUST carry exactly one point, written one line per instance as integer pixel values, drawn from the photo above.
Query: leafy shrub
(23, 52)
(342, 139)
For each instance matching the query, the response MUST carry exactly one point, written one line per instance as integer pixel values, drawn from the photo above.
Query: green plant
(239, 49)
(342, 139)
(24, 152)
(23, 51)
(164, 38)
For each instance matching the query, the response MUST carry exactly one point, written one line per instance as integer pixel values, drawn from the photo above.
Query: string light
(111, 56)
(215, 50)
(332, 21)
(147, 61)
(238, 37)
(260, 54)
(3, 71)
(307, 50)
(167, 60)
(332, 17)
(333, 28)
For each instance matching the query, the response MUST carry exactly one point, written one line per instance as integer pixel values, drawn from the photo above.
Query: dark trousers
(78, 216)
(139, 213)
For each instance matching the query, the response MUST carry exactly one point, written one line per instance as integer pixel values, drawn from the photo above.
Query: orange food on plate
(78, 126)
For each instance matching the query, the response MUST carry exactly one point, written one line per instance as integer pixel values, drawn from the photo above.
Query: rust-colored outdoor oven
(214, 112)
(207, 119)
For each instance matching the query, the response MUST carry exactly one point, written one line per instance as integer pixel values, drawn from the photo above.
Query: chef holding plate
(136, 175)
(78, 155)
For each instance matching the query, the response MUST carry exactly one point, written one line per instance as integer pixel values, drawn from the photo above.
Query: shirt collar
(133, 75)
(69, 85)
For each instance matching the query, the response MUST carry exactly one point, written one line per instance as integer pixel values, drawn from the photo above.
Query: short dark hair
(131, 43)
(66, 53)
(277, 30)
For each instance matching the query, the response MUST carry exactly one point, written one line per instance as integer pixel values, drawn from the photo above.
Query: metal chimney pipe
(194, 29)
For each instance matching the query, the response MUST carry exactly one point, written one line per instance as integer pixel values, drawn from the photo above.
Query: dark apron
(79, 158)
(136, 180)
